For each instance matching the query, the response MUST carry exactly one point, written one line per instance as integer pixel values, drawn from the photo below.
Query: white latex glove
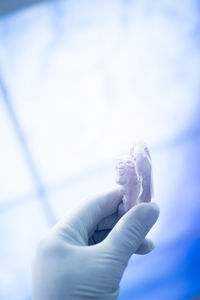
(66, 267)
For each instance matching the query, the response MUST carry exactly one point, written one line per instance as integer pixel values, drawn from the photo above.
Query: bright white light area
(86, 78)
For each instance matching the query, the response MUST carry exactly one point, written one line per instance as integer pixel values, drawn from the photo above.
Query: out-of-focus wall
(79, 81)
(10, 6)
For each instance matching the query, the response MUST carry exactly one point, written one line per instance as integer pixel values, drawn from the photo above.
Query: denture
(134, 175)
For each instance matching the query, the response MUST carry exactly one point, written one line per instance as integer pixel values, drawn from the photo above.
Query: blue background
(79, 81)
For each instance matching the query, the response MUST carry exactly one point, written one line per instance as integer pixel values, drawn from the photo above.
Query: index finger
(88, 215)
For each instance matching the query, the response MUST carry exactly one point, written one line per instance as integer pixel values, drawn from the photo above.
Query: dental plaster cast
(134, 174)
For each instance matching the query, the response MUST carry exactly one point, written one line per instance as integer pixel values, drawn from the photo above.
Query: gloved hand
(66, 267)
